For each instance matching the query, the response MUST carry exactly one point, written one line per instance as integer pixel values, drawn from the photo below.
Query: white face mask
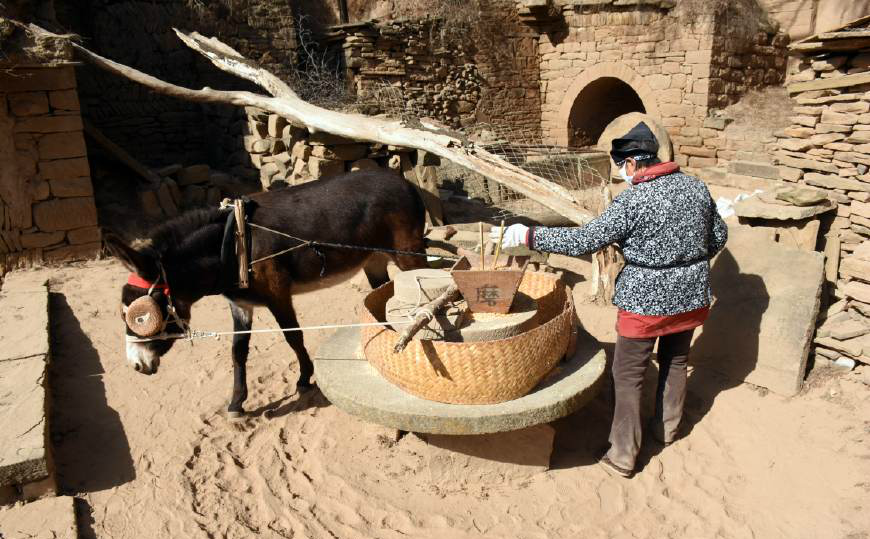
(624, 175)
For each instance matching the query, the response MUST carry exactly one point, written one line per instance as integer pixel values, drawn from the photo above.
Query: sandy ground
(154, 456)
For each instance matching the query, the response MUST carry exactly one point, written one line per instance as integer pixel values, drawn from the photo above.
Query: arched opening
(597, 104)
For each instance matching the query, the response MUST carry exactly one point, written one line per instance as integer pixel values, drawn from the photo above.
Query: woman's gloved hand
(514, 235)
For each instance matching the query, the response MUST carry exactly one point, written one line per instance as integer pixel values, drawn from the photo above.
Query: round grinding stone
(493, 326)
(432, 283)
(445, 322)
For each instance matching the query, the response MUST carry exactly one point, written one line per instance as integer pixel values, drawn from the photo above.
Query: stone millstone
(477, 327)
(421, 285)
(445, 322)
(354, 385)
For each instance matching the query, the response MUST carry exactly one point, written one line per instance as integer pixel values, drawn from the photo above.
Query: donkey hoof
(235, 415)
(304, 387)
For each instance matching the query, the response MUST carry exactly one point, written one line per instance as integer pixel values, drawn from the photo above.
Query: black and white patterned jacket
(668, 229)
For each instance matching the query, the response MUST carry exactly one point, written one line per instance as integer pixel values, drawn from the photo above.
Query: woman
(668, 229)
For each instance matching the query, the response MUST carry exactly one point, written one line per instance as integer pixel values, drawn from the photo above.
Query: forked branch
(286, 103)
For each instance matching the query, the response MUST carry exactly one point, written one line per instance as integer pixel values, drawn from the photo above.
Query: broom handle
(498, 245)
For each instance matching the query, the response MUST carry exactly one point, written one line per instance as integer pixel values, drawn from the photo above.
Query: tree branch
(287, 104)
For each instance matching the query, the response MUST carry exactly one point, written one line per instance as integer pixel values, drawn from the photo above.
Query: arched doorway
(597, 96)
(599, 103)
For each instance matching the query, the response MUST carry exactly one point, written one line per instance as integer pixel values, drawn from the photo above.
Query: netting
(583, 172)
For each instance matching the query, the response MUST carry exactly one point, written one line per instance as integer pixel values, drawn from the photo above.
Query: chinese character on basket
(488, 294)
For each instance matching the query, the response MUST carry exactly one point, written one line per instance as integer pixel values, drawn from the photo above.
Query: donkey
(180, 261)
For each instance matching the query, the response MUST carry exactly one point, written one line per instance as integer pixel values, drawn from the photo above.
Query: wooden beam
(834, 82)
(121, 155)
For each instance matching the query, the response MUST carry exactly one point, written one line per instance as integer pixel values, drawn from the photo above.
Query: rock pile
(827, 146)
(286, 154)
(188, 187)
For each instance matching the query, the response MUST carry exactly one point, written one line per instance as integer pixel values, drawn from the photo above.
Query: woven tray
(486, 372)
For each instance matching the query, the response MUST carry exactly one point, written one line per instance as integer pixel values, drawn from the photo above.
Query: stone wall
(47, 208)
(160, 130)
(660, 59)
(828, 147)
(486, 75)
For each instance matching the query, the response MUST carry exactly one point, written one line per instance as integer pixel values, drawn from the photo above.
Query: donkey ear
(142, 263)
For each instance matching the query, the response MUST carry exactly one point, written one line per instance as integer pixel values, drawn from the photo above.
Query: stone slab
(51, 518)
(763, 319)
(24, 349)
(758, 170)
(353, 385)
(23, 317)
(754, 207)
(23, 457)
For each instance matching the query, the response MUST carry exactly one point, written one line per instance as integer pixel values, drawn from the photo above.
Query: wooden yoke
(242, 243)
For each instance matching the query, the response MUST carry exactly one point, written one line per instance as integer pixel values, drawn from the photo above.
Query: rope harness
(237, 234)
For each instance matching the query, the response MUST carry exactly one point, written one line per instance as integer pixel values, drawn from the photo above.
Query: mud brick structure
(576, 65)
(47, 210)
(662, 58)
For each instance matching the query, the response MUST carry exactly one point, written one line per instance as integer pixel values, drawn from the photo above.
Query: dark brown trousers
(629, 365)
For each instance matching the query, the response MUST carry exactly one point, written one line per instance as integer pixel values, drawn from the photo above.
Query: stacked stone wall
(827, 147)
(47, 211)
(454, 78)
(160, 130)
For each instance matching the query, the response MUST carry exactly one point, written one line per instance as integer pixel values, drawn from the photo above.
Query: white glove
(514, 236)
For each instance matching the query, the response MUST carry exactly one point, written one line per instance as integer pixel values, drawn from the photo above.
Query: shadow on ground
(91, 450)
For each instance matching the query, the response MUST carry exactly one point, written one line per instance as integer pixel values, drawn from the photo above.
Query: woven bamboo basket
(485, 372)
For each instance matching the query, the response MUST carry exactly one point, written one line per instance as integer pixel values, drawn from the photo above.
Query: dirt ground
(155, 457)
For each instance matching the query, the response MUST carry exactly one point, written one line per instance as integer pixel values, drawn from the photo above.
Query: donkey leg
(375, 269)
(242, 320)
(286, 318)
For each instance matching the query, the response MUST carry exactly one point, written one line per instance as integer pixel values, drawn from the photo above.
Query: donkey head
(152, 314)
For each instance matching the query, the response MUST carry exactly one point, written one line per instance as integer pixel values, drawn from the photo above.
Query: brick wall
(47, 207)
(679, 66)
(160, 130)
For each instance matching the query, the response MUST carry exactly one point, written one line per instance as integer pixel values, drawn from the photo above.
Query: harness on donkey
(145, 318)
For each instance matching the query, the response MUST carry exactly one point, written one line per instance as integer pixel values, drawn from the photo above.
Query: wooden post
(241, 243)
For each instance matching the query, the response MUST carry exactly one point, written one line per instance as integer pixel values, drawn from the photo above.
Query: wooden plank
(835, 82)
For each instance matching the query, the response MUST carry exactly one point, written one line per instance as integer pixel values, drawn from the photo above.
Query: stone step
(24, 356)
(51, 517)
(755, 169)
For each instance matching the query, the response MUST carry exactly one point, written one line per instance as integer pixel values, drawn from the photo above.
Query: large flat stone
(754, 207)
(23, 457)
(762, 322)
(51, 518)
(23, 317)
(24, 349)
(353, 385)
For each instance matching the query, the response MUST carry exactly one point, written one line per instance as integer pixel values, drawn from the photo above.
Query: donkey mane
(185, 231)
